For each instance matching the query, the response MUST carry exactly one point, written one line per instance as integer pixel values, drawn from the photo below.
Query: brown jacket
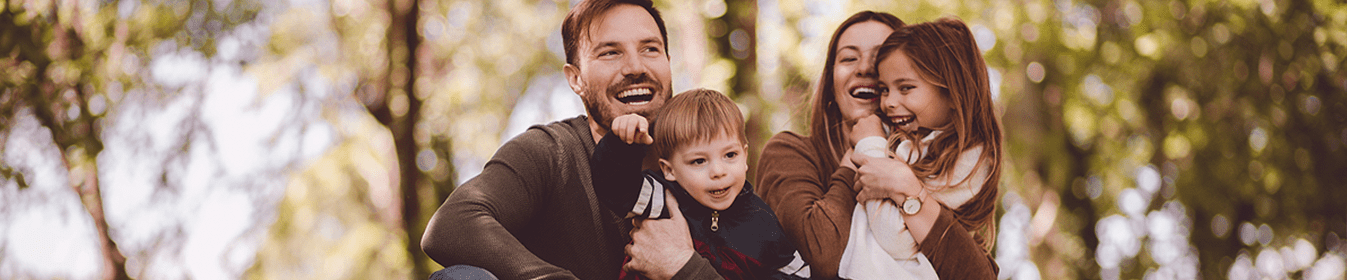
(815, 206)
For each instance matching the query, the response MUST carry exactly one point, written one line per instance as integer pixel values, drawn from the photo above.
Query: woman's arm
(814, 208)
(953, 252)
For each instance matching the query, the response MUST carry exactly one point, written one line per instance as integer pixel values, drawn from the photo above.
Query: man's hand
(865, 127)
(660, 247)
(632, 128)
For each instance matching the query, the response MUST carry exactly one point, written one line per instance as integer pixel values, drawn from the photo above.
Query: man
(532, 212)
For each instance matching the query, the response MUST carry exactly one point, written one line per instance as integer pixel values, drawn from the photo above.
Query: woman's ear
(667, 167)
(573, 78)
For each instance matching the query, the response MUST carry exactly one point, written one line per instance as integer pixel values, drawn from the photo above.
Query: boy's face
(712, 171)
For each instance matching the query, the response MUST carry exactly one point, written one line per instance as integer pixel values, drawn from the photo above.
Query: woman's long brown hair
(825, 121)
(945, 54)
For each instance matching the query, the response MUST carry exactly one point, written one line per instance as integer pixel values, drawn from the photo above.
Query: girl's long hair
(945, 54)
(825, 120)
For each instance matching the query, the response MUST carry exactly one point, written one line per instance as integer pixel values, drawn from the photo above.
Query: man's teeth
(633, 92)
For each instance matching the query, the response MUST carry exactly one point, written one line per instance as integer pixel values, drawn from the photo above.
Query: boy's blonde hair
(695, 116)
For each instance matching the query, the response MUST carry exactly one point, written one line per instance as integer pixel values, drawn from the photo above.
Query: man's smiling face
(623, 67)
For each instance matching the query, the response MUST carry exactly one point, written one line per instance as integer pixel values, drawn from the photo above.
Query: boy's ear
(573, 78)
(667, 167)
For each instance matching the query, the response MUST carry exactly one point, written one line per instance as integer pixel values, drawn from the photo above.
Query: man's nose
(632, 65)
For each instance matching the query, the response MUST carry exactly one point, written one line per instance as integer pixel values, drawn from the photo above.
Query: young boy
(699, 138)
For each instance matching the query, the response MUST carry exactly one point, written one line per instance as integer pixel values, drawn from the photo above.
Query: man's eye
(652, 49)
(607, 53)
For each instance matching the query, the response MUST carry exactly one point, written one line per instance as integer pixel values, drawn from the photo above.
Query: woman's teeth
(636, 96)
(865, 93)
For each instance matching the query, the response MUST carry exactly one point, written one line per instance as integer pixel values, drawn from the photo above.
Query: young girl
(937, 101)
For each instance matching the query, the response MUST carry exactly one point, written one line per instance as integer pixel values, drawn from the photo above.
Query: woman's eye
(906, 88)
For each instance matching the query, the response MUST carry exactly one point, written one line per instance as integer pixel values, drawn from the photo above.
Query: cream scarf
(880, 246)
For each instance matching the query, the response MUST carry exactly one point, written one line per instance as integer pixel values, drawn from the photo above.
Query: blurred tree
(61, 58)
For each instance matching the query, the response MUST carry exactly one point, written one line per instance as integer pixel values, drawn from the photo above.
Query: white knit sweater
(880, 246)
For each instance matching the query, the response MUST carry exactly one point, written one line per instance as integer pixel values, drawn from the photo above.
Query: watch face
(911, 206)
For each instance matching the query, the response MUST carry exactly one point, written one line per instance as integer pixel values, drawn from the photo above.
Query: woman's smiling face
(854, 86)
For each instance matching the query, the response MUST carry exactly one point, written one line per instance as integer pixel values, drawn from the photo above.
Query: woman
(808, 180)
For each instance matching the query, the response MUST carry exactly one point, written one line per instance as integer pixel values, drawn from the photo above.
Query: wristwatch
(912, 204)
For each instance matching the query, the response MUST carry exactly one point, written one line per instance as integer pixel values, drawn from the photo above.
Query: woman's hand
(880, 178)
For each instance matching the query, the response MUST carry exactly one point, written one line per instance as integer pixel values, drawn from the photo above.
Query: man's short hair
(695, 116)
(580, 17)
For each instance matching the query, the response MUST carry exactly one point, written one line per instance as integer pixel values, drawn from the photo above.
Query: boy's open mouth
(720, 191)
(636, 96)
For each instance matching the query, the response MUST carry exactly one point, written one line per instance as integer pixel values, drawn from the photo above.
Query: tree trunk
(399, 109)
(740, 44)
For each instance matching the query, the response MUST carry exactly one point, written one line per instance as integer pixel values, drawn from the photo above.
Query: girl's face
(854, 86)
(908, 100)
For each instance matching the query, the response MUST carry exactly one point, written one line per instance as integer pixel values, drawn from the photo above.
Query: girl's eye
(906, 88)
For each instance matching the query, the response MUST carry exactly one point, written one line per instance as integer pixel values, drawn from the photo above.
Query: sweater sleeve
(473, 225)
(953, 252)
(814, 211)
(697, 268)
(615, 168)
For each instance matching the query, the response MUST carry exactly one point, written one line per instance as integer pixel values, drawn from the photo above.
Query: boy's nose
(717, 170)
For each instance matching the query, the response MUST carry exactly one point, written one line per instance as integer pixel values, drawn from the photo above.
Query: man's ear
(573, 78)
(667, 167)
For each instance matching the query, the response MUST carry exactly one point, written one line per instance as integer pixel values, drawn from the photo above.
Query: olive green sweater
(532, 214)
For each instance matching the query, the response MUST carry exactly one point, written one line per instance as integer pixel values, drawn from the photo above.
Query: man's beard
(601, 112)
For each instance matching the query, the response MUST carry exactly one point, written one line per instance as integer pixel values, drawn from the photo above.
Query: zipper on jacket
(715, 220)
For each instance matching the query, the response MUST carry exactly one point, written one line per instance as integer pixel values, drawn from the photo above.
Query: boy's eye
(699, 161)
(731, 154)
